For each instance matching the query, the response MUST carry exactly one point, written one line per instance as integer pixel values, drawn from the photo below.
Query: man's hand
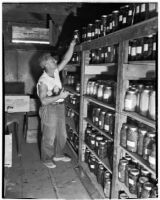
(63, 94)
(73, 42)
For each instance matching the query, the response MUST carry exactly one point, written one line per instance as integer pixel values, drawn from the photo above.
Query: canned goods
(142, 180)
(133, 178)
(132, 138)
(121, 169)
(130, 100)
(123, 135)
(141, 134)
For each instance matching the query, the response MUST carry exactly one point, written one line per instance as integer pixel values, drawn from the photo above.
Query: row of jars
(143, 48)
(139, 180)
(141, 98)
(74, 82)
(107, 54)
(103, 176)
(76, 58)
(140, 140)
(102, 90)
(74, 100)
(73, 137)
(127, 15)
(102, 146)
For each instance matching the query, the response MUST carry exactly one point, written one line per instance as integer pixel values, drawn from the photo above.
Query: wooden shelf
(141, 161)
(72, 148)
(105, 161)
(93, 179)
(73, 65)
(71, 90)
(122, 186)
(100, 103)
(72, 107)
(99, 130)
(140, 118)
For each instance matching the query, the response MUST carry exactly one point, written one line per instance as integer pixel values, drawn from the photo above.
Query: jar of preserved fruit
(108, 94)
(133, 178)
(152, 9)
(137, 13)
(142, 180)
(84, 34)
(96, 122)
(99, 138)
(109, 123)
(123, 135)
(92, 142)
(140, 88)
(100, 92)
(87, 154)
(107, 188)
(144, 101)
(141, 134)
(133, 50)
(77, 36)
(152, 157)
(97, 28)
(146, 190)
(92, 164)
(115, 20)
(152, 106)
(145, 172)
(130, 100)
(127, 169)
(149, 139)
(102, 149)
(130, 14)
(89, 32)
(132, 137)
(154, 47)
(139, 47)
(121, 169)
(100, 174)
(103, 25)
(101, 119)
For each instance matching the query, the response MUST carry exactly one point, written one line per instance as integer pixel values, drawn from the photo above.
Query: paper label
(129, 50)
(133, 51)
(113, 23)
(143, 7)
(100, 123)
(109, 49)
(101, 27)
(152, 6)
(154, 46)
(89, 34)
(102, 55)
(92, 142)
(106, 55)
(130, 143)
(145, 47)
(120, 18)
(128, 104)
(130, 12)
(93, 34)
(124, 20)
(152, 160)
(96, 119)
(119, 175)
(92, 166)
(131, 181)
(137, 9)
(139, 49)
(106, 95)
(106, 127)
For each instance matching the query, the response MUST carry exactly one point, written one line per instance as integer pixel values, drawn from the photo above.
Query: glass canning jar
(97, 28)
(92, 140)
(95, 89)
(154, 192)
(148, 47)
(149, 139)
(141, 134)
(84, 34)
(144, 101)
(130, 14)
(125, 15)
(93, 56)
(109, 123)
(115, 20)
(97, 113)
(152, 9)
(121, 17)
(89, 32)
(141, 181)
(140, 88)
(88, 87)
(107, 188)
(110, 23)
(127, 169)
(154, 47)
(139, 48)
(99, 138)
(129, 158)
(101, 119)
(129, 50)
(133, 50)
(102, 149)
(87, 154)
(108, 94)
(123, 135)
(143, 11)
(100, 92)
(133, 178)
(92, 164)
(100, 174)
(132, 138)
(137, 13)
(152, 105)
(121, 169)
(130, 100)
(87, 132)
(152, 157)
(78, 87)
(103, 25)
(146, 190)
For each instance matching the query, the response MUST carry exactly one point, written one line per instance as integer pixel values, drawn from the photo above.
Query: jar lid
(101, 166)
(151, 134)
(142, 130)
(132, 127)
(115, 11)
(124, 161)
(134, 171)
(144, 171)
(127, 157)
(143, 179)
(148, 186)
(99, 137)
(104, 16)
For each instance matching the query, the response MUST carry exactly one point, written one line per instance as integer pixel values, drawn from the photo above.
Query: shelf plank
(72, 107)
(122, 186)
(72, 67)
(72, 148)
(100, 103)
(108, 68)
(71, 89)
(141, 161)
(99, 130)
(138, 30)
(140, 118)
(93, 179)
(137, 70)
(105, 161)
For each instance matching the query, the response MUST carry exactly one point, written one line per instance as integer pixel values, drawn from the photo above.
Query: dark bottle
(137, 13)
(130, 14)
(123, 135)
(97, 28)
(115, 20)
(84, 34)
(120, 17)
(139, 48)
(103, 25)
(148, 47)
(133, 50)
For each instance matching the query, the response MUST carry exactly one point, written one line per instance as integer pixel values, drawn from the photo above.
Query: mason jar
(102, 119)
(100, 92)
(141, 134)
(103, 25)
(146, 190)
(132, 138)
(140, 88)
(134, 50)
(152, 157)
(108, 94)
(130, 100)
(99, 138)
(133, 178)
(110, 23)
(92, 164)
(139, 49)
(109, 123)
(143, 11)
(97, 28)
(137, 13)
(127, 170)
(102, 149)
(100, 174)
(125, 16)
(96, 122)
(152, 105)
(115, 20)
(123, 135)
(87, 154)
(141, 181)
(95, 89)
(130, 14)
(121, 169)
(121, 16)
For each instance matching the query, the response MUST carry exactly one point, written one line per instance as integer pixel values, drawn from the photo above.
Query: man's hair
(43, 60)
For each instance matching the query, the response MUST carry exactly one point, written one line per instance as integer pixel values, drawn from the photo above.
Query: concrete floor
(29, 178)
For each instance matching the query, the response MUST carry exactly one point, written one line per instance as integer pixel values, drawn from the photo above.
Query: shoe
(63, 158)
(50, 165)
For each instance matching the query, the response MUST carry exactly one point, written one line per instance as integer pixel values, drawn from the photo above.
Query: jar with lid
(115, 20)
(133, 178)
(140, 88)
(96, 122)
(100, 174)
(123, 135)
(110, 23)
(145, 172)
(132, 137)
(146, 190)
(92, 141)
(143, 11)
(97, 28)
(149, 139)
(154, 47)
(123, 195)
(148, 47)
(89, 32)
(100, 92)
(109, 123)
(152, 9)
(129, 50)
(101, 55)
(101, 119)
(103, 25)
(128, 158)
(102, 149)
(107, 188)
(133, 50)
(84, 34)
(121, 169)
(139, 47)
(130, 100)
(95, 89)
(137, 13)
(141, 181)
(87, 132)
(77, 36)
(141, 134)
(87, 154)
(152, 157)
(154, 192)
(125, 16)
(144, 101)
(127, 170)
(121, 16)
(99, 138)
(152, 106)
(78, 87)
(108, 94)
(130, 14)
(92, 164)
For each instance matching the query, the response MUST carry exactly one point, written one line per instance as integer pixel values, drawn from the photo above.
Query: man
(52, 112)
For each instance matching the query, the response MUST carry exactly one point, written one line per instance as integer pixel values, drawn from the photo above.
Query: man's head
(47, 62)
